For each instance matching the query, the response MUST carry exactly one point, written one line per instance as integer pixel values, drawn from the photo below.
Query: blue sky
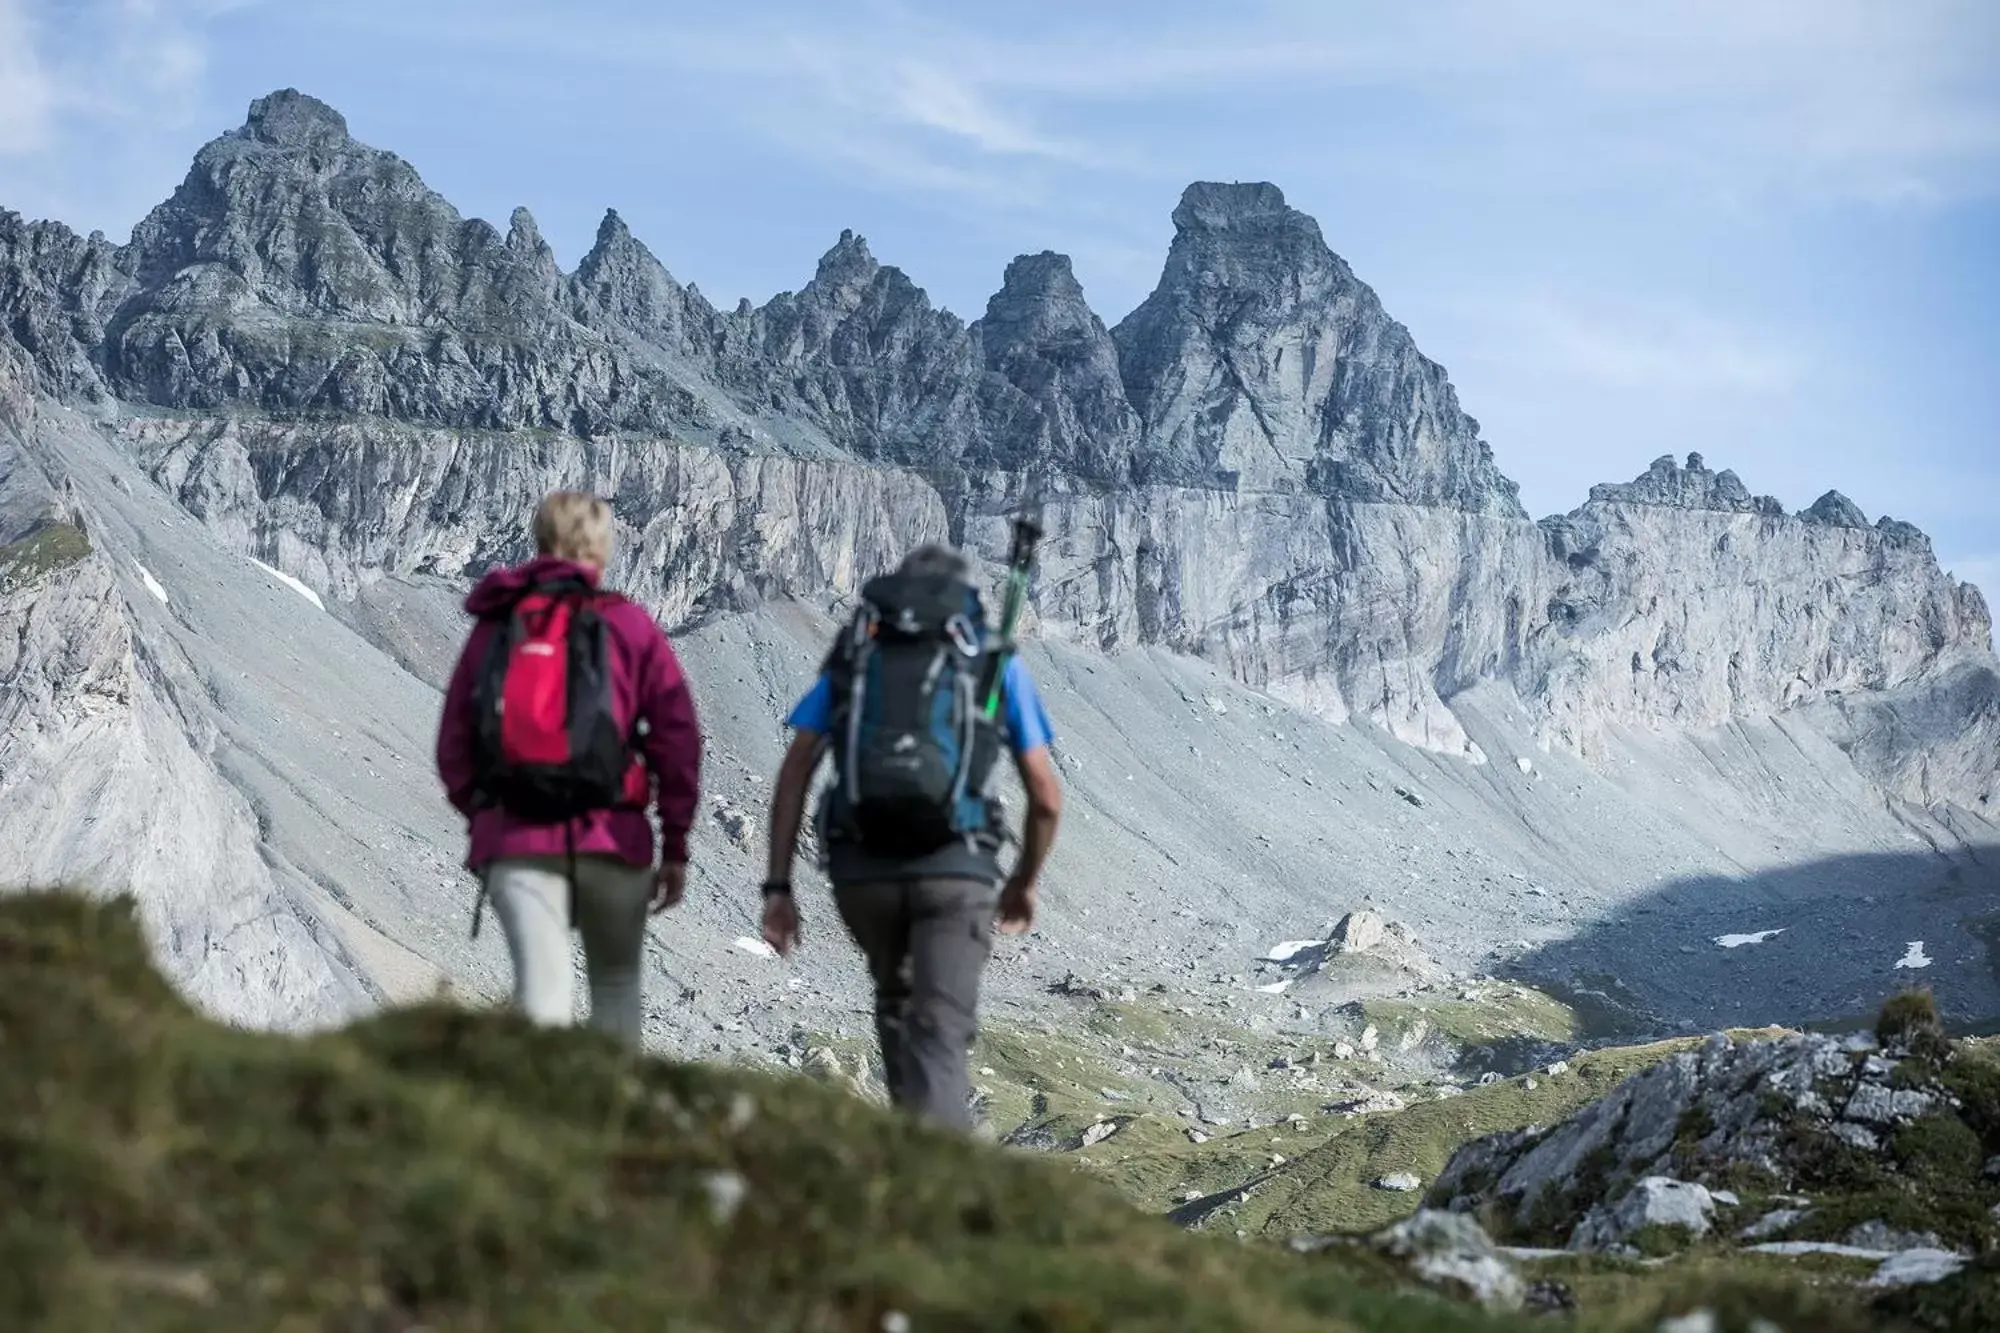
(1766, 230)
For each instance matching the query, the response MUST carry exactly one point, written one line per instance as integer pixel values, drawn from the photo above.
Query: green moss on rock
(50, 547)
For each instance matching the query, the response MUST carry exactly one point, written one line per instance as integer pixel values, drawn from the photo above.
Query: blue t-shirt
(1027, 721)
(1026, 728)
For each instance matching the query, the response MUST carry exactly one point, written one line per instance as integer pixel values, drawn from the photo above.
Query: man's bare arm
(788, 803)
(1018, 897)
(1038, 833)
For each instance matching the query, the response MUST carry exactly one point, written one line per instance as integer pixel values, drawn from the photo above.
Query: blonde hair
(574, 525)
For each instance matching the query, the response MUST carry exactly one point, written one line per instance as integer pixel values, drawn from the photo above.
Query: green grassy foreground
(461, 1170)
(449, 1170)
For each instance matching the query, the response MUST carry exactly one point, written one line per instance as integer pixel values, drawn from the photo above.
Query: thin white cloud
(1848, 98)
(66, 63)
(96, 99)
(910, 114)
(1738, 99)
(931, 97)
(26, 95)
(1639, 346)
(136, 62)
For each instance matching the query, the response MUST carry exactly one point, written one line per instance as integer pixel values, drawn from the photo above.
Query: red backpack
(550, 745)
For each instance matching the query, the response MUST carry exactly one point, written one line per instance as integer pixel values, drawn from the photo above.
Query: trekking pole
(1027, 533)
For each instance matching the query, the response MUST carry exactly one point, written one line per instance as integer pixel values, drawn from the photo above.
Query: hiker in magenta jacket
(525, 866)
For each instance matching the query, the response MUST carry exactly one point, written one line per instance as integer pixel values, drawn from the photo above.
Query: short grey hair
(936, 560)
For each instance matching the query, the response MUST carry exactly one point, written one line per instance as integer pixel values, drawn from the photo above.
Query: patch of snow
(758, 947)
(1754, 937)
(1401, 1182)
(290, 582)
(1525, 764)
(1277, 987)
(152, 584)
(1914, 956)
(1284, 950)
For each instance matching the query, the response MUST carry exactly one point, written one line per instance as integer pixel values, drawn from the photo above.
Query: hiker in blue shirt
(911, 833)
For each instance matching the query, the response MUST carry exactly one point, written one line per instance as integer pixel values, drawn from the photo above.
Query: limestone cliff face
(1624, 613)
(1257, 466)
(343, 505)
(109, 768)
(1372, 610)
(1681, 600)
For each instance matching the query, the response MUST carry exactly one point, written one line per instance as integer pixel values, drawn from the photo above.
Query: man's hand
(1017, 906)
(669, 886)
(781, 922)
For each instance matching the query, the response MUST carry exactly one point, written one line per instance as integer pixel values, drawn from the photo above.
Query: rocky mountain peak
(291, 119)
(1667, 483)
(616, 255)
(1835, 510)
(1231, 236)
(1216, 206)
(534, 257)
(1044, 275)
(1039, 299)
(846, 268)
(1041, 336)
(621, 285)
(524, 237)
(612, 231)
(1261, 362)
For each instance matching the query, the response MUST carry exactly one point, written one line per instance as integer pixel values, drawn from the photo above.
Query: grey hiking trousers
(531, 896)
(927, 942)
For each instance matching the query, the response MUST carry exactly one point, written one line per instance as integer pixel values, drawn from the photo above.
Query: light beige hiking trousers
(531, 896)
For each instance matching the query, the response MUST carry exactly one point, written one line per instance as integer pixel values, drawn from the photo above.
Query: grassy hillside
(462, 1171)
(48, 548)
(448, 1170)
(1334, 1184)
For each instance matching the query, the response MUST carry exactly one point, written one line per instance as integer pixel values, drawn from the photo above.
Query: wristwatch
(774, 887)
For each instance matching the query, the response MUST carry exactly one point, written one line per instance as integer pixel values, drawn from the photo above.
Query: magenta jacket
(646, 682)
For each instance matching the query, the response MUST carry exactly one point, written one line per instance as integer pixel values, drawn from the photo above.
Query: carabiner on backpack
(865, 619)
(963, 637)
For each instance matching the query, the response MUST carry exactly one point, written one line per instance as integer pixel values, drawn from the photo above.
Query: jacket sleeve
(456, 725)
(672, 746)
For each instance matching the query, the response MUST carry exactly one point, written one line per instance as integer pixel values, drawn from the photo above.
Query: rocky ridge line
(1256, 466)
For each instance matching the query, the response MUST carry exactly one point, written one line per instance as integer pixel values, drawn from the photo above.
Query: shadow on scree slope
(1818, 945)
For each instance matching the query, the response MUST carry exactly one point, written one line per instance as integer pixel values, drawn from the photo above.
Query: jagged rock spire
(290, 119)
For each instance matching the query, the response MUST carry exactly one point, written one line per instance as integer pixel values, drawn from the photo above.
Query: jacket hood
(499, 587)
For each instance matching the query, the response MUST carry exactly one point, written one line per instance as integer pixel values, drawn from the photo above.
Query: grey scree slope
(1284, 585)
